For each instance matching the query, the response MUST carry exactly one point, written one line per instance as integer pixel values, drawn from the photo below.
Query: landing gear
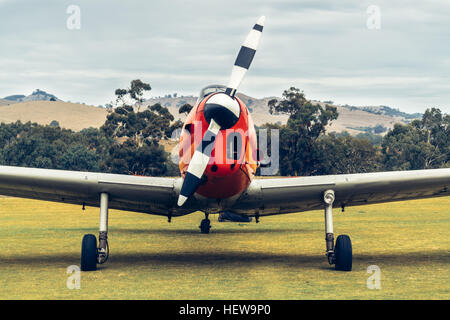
(91, 255)
(341, 254)
(205, 225)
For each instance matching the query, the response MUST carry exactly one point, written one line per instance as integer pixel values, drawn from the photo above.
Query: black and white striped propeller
(222, 111)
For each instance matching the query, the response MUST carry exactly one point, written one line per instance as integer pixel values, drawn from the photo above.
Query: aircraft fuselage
(233, 161)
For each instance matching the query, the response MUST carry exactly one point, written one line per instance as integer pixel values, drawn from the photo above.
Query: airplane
(218, 177)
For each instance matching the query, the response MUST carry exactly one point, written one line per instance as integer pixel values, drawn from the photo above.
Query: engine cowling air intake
(224, 109)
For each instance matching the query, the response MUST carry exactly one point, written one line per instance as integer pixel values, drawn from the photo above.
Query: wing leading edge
(288, 195)
(153, 195)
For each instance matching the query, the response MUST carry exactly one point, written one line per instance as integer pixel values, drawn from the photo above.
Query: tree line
(129, 142)
(306, 148)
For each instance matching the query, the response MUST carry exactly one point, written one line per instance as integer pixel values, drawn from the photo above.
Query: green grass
(282, 257)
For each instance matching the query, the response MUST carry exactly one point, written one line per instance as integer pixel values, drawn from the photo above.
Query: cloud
(322, 47)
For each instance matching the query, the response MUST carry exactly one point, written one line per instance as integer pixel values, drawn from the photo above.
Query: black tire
(343, 253)
(89, 253)
(205, 225)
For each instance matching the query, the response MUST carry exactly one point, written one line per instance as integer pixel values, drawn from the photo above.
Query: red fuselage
(233, 161)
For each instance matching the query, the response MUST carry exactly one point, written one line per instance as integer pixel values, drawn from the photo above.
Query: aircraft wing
(287, 195)
(158, 195)
(142, 194)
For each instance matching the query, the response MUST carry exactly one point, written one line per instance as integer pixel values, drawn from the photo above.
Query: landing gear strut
(341, 254)
(205, 225)
(91, 255)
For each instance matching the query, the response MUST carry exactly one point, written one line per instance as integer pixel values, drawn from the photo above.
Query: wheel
(343, 253)
(205, 225)
(89, 253)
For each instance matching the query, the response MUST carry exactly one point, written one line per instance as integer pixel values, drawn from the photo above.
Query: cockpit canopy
(206, 91)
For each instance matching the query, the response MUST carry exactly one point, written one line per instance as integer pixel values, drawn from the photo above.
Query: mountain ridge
(36, 95)
(352, 119)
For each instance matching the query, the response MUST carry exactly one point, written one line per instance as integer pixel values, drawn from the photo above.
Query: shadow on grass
(274, 259)
(196, 231)
(226, 259)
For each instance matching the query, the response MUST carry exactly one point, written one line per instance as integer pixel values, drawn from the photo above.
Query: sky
(378, 52)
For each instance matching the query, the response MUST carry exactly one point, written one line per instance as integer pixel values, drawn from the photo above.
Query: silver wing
(142, 194)
(287, 195)
(156, 195)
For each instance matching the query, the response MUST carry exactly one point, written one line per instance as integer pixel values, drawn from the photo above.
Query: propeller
(221, 111)
(245, 57)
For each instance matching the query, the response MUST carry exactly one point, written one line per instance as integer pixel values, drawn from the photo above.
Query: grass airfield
(282, 257)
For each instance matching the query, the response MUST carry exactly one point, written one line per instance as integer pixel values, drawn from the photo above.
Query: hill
(69, 115)
(14, 97)
(36, 95)
(351, 119)
(6, 102)
(78, 116)
(386, 111)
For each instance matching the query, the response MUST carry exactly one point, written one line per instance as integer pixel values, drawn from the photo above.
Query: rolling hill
(5, 102)
(351, 119)
(36, 95)
(69, 115)
(78, 116)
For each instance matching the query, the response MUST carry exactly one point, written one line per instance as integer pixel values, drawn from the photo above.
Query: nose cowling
(223, 109)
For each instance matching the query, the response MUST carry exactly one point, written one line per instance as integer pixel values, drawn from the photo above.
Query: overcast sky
(323, 47)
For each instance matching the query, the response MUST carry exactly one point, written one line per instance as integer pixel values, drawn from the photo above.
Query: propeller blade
(245, 57)
(222, 111)
(198, 163)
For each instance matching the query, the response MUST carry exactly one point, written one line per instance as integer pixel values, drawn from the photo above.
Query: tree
(135, 92)
(422, 144)
(378, 129)
(127, 143)
(346, 154)
(127, 158)
(136, 135)
(293, 101)
(306, 123)
(33, 145)
(54, 123)
(79, 158)
(152, 124)
(185, 108)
